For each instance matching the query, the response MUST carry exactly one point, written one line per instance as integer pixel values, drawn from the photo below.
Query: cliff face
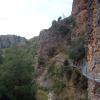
(56, 44)
(79, 11)
(10, 40)
(51, 39)
(93, 48)
(65, 30)
(89, 12)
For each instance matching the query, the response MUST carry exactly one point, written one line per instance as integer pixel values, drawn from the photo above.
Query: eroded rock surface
(57, 39)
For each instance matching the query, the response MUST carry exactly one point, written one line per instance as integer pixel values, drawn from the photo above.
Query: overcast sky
(27, 17)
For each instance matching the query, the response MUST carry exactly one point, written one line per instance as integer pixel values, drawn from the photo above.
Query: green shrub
(59, 86)
(16, 75)
(69, 20)
(77, 50)
(55, 72)
(1, 56)
(79, 81)
(41, 61)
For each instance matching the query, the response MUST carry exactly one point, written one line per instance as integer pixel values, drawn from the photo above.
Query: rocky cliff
(65, 48)
(59, 67)
(79, 11)
(93, 48)
(92, 16)
(10, 40)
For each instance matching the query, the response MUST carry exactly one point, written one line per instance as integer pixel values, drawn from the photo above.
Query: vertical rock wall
(79, 11)
(87, 22)
(87, 15)
(93, 48)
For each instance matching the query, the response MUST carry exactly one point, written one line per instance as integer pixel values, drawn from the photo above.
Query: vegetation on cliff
(45, 65)
(61, 59)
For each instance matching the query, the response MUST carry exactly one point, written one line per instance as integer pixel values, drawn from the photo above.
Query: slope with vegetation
(60, 60)
(17, 73)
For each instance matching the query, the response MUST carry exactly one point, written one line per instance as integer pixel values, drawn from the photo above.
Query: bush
(51, 52)
(64, 30)
(77, 50)
(59, 86)
(79, 81)
(1, 56)
(16, 75)
(70, 20)
(55, 72)
(41, 61)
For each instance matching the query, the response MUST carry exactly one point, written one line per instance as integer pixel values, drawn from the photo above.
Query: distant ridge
(7, 41)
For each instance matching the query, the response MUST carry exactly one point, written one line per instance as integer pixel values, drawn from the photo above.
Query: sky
(28, 17)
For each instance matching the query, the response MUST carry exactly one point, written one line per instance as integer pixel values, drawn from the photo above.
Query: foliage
(16, 75)
(32, 45)
(41, 61)
(1, 57)
(68, 72)
(55, 72)
(64, 30)
(58, 87)
(79, 81)
(70, 20)
(77, 50)
(42, 95)
(66, 63)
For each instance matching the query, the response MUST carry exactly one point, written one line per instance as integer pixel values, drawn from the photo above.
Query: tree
(1, 57)
(17, 75)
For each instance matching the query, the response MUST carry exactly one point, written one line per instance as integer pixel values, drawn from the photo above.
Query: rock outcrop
(93, 48)
(53, 53)
(51, 39)
(88, 13)
(57, 40)
(79, 11)
(11, 40)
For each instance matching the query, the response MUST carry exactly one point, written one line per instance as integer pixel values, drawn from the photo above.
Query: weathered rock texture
(11, 40)
(87, 13)
(56, 40)
(93, 47)
(54, 44)
(51, 39)
(79, 11)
